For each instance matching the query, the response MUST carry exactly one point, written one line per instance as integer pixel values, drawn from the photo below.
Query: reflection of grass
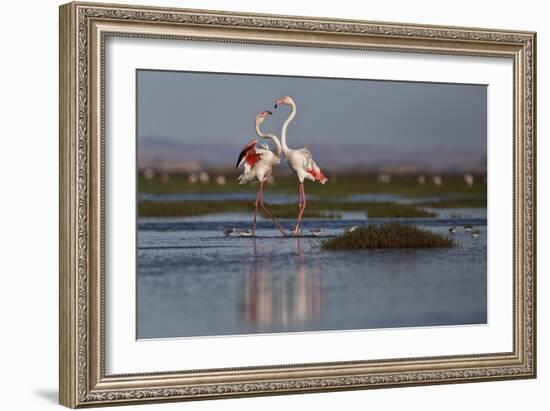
(391, 235)
(469, 202)
(337, 186)
(315, 209)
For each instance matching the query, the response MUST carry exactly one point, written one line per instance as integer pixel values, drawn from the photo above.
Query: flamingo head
(284, 100)
(262, 116)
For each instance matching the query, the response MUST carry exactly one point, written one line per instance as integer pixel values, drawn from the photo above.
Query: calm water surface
(282, 198)
(195, 281)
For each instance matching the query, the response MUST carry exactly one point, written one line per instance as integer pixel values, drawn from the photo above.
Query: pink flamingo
(258, 165)
(300, 161)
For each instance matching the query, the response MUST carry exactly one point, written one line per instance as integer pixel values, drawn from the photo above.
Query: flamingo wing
(248, 154)
(311, 167)
(305, 152)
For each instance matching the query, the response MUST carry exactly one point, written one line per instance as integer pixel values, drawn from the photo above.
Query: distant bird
(351, 229)
(316, 231)
(230, 232)
(475, 234)
(149, 173)
(204, 178)
(300, 161)
(258, 165)
(246, 233)
(469, 179)
(452, 230)
(468, 228)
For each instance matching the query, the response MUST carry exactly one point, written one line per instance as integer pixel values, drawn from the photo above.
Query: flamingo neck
(272, 137)
(285, 126)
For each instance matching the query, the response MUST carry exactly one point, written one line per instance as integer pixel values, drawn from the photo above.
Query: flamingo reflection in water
(283, 300)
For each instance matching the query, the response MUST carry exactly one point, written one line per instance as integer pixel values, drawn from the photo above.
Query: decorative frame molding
(83, 30)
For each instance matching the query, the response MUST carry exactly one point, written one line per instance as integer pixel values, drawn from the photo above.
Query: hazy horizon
(206, 118)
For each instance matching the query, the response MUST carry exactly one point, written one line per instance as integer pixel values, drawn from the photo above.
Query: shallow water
(195, 281)
(281, 198)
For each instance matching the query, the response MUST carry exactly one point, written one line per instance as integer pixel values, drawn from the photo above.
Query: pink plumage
(258, 163)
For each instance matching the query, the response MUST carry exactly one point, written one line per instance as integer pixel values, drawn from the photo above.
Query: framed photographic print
(260, 204)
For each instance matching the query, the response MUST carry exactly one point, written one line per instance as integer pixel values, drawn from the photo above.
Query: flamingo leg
(268, 212)
(302, 208)
(258, 197)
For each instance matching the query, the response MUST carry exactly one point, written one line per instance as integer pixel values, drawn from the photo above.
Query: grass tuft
(189, 208)
(390, 235)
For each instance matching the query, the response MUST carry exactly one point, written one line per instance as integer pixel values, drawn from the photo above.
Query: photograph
(291, 204)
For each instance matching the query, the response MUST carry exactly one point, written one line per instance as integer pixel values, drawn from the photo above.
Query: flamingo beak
(269, 112)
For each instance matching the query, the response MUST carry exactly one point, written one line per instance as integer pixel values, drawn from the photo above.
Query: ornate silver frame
(83, 30)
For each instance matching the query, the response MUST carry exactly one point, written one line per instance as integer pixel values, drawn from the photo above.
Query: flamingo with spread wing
(258, 161)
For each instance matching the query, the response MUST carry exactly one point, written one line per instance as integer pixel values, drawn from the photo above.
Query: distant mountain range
(168, 154)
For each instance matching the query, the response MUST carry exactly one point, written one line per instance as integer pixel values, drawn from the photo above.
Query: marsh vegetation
(315, 209)
(390, 235)
(342, 184)
(401, 197)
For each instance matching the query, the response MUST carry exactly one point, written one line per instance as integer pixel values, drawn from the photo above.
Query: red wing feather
(249, 151)
(252, 157)
(317, 174)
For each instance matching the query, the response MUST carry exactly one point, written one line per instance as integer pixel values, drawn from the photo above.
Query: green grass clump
(196, 208)
(189, 208)
(315, 209)
(390, 235)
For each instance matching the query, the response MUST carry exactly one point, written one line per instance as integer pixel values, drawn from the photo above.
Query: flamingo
(258, 166)
(300, 161)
